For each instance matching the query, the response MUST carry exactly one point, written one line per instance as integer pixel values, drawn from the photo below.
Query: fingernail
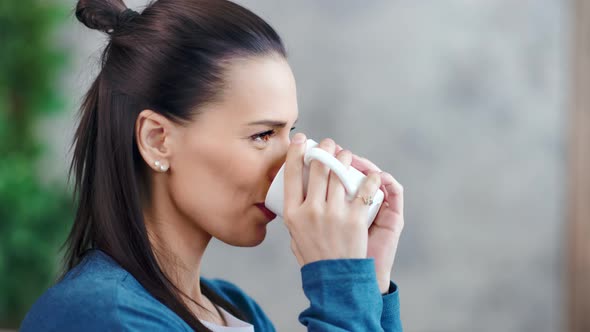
(298, 138)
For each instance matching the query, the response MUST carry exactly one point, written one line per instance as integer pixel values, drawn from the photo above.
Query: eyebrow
(270, 123)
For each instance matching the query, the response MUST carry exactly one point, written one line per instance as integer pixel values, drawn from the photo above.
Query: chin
(252, 238)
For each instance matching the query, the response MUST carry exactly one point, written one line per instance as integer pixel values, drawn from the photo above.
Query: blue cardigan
(99, 295)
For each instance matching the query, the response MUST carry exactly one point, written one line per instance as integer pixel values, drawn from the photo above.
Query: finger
(364, 165)
(317, 186)
(293, 189)
(336, 190)
(394, 193)
(366, 190)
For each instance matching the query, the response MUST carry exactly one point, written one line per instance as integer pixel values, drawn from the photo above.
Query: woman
(180, 136)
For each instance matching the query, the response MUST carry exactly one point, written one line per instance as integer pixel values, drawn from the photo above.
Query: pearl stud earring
(160, 166)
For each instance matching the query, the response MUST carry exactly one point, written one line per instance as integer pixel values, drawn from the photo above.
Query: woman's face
(224, 161)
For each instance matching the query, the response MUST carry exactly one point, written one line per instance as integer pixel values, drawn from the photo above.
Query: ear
(153, 134)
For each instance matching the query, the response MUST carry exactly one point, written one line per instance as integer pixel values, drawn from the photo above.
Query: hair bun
(103, 15)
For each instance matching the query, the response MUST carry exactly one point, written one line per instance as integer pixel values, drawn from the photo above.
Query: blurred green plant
(34, 218)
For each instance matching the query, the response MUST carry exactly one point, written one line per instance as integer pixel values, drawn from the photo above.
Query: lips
(268, 213)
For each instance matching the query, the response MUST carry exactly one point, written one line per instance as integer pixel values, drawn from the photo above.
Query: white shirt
(233, 324)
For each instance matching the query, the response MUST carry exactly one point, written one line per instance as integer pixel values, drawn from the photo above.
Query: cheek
(212, 187)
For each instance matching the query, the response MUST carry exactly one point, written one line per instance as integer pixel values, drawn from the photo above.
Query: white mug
(351, 179)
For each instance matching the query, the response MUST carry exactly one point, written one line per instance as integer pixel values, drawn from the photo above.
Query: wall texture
(463, 102)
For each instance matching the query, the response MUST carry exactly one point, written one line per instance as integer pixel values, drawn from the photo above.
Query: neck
(179, 246)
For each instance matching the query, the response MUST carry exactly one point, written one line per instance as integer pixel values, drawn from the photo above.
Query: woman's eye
(263, 137)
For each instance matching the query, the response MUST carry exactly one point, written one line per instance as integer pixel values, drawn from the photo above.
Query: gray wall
(464, 103)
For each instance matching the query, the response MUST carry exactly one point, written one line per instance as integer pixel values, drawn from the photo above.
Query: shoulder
(246, 304)
(99, 295)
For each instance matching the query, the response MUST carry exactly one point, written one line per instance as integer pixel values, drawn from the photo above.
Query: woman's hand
(387, 227)
(322, 223)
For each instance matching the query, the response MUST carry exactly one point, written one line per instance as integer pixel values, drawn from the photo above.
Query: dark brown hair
(171, 58)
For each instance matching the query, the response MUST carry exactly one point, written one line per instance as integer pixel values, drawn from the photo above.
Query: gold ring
(367, 200)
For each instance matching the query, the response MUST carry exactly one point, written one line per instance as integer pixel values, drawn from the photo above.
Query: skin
(219, 166)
